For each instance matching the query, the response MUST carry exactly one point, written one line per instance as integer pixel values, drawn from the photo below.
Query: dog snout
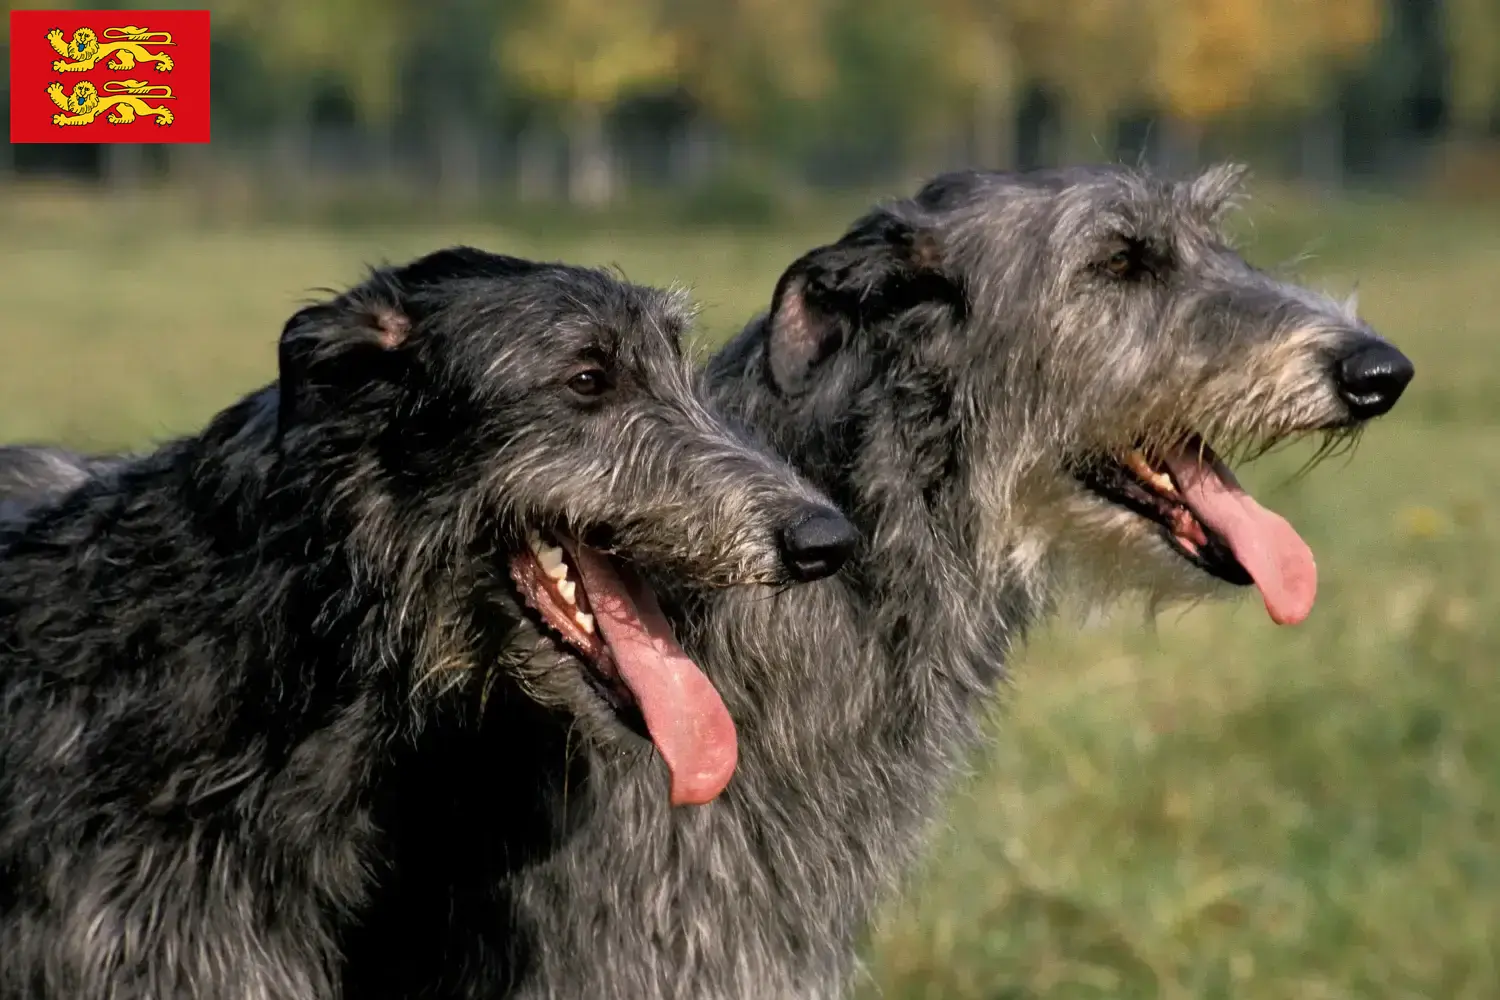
(1371, 377)
(817, 544)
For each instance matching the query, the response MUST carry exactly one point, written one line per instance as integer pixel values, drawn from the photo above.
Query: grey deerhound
(213, 652)
(1009, 382)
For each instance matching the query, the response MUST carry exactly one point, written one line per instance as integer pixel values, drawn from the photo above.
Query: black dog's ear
(332, 349)
(356, 342)
(883, 266)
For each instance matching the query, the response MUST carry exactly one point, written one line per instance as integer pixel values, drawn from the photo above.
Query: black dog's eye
(589, 382)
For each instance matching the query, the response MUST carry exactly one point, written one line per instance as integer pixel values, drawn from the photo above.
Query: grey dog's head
(1067, 355)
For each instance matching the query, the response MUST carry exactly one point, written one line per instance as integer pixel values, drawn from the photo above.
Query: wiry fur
(30, 474)
(213, 653)
(937, 371)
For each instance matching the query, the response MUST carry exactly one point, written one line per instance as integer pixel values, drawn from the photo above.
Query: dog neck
(858, 699)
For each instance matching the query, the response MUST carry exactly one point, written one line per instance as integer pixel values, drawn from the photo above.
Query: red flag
(109, 76)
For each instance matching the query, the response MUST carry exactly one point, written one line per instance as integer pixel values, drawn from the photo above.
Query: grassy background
(1210, 807)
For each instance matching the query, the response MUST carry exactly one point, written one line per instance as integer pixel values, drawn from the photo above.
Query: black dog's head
(528, 436)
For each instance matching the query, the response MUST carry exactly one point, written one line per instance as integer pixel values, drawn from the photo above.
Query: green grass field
(1204, 807)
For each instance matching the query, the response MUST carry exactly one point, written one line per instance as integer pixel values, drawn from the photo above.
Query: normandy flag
(109, 76)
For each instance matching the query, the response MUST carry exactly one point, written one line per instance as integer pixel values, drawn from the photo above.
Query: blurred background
(757, 103)
(1198, 805)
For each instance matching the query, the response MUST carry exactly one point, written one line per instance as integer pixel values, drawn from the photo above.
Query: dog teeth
(585, 621)
(566, 589)
(551, 559)
(1161, 481)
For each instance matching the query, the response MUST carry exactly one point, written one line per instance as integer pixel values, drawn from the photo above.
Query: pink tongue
(686, 717)
(1267, 546)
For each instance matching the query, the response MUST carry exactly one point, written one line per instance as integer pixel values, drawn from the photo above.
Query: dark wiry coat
(210, 654)
(942, 371)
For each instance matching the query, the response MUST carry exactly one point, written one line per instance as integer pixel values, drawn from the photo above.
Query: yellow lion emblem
(80, 55)
(127, 97)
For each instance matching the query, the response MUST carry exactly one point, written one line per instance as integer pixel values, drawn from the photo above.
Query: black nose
(818, 545)
(1372, 378)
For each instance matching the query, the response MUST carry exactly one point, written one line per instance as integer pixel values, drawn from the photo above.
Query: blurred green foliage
(879, 86)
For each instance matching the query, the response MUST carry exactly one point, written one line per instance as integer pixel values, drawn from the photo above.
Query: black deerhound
(213, 652)
(1010, 383)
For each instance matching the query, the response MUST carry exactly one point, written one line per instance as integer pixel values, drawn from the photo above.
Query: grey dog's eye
(588, 383)
(1121, 264)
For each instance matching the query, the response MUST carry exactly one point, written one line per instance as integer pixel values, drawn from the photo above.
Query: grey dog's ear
(1216, 192)
(882, 267)
(802, 334)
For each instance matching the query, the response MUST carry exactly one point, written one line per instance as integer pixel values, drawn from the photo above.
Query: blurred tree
(1210, 53)
(737, 58)
(1339, 38)
(847, 90)
(1091, 56)
(353, 44)
(586, 55)
(891, 97)
(1474, 73)
(452, 98)
(1088, 56)
(979, 58)
(1214, 58)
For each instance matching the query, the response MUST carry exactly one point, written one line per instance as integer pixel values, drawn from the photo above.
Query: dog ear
(882, 267)
(359, 340)
(330, 350)
(802, 334)
(1216, 192)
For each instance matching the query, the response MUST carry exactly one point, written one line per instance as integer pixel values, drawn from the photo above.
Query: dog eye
(1121, 264)
(590, 382)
